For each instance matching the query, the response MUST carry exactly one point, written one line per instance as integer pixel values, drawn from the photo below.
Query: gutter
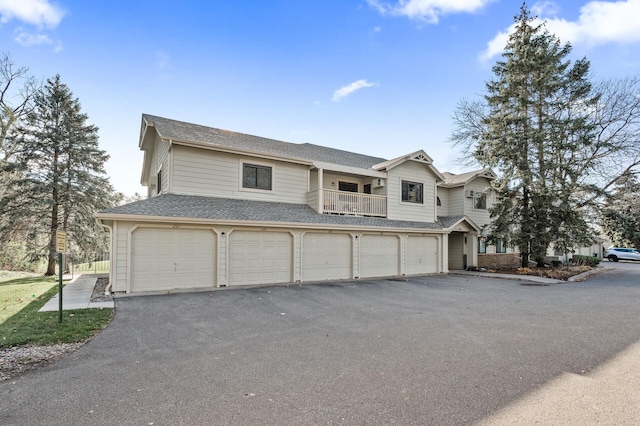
(227, 222)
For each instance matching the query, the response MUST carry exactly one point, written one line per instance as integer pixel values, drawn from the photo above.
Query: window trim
(476, 196)
(257, 165)
(159, 183)
(482, 245)
(402, 192)
(348, 183)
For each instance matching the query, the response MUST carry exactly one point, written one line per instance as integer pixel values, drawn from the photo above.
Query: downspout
(107, 290)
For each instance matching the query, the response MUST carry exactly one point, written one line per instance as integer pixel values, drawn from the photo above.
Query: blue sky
(378, 77)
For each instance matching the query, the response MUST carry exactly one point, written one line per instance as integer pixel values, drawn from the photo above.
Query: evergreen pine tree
(59, 175)
(532, 129)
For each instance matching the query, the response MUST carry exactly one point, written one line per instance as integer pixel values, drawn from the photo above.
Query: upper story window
(255, 176)
(159, 184)
(412, 192)
(480, 201)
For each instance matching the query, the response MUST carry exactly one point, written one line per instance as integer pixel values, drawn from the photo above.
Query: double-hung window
(412, 192)
(256, 176)
(480, 201)
(482, 245)
(501, 246)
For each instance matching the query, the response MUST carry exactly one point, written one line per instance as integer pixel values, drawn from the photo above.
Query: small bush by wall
(498, 260)
(579, 259)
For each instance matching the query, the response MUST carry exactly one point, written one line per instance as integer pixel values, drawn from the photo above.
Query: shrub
(578, 259)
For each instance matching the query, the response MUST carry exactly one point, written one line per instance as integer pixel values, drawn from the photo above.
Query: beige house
(230, 209)
(470, 194)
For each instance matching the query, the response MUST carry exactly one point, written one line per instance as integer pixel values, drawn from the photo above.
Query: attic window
(411, 192)
(255, 176)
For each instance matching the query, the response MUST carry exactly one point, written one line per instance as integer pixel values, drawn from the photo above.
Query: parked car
(616, 253)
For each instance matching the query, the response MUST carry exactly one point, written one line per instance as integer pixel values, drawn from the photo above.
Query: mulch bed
(560, 273)
(98, 291)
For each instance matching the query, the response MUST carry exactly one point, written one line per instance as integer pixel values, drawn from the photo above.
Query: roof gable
(418, 156)
(452, 180)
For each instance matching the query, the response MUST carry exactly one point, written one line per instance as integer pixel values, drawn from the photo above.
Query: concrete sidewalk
(77, 295)
(529, 278)
(532, 278)
(607, 396)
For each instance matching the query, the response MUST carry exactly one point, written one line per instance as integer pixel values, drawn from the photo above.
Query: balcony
(354, 203)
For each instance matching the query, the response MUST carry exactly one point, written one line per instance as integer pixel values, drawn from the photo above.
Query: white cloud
(345, 91)
(428, 10)
(41, 13)
(600, 22)
(27, 39)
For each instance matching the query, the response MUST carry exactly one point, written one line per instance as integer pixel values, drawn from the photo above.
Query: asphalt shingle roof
(200, 207)
(451, 179)
(188, 132)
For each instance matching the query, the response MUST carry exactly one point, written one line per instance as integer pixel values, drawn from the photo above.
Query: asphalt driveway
(429, 350)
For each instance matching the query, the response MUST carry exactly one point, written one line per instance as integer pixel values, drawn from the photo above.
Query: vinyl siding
(216, 174)
(414, 172)
(456, 201)
(443, 210)
(121, 246)
(160, 161)
(480, 217)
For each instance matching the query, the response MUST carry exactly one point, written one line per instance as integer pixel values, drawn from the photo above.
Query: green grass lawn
(18, 289)
(21, 323)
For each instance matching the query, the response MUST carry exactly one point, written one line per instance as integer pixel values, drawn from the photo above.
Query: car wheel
(613, 258)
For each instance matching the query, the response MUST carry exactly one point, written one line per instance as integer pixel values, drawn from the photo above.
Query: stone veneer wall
(498, 260)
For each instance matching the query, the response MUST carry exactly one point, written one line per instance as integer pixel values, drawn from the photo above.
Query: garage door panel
(326, 257)
(421, 255)
(165, 259)
(260, 257)
(379, 255)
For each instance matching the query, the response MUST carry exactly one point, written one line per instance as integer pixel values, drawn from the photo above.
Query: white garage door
(260, 257)
(379, 255)
(166, 259)
(326, 257)
(421, 255)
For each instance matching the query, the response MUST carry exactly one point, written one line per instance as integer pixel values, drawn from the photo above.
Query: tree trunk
(51, 265)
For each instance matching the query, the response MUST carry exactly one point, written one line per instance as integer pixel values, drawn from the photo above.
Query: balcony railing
(354, 203)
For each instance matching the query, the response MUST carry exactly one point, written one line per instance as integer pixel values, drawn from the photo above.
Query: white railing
(354, 203)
